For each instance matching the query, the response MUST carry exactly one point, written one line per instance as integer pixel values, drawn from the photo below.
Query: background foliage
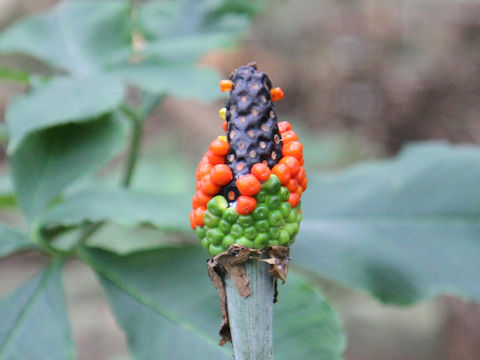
(403, 229)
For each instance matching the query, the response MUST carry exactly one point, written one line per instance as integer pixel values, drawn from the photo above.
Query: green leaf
(78, 36)
(50, 160)
(33, 320)
(305, 324)
(122, 207)
(187, 17)
(168, 308)
(186, 49)
(176, 80)
(404, 230)
(12, 241)
(81, 99)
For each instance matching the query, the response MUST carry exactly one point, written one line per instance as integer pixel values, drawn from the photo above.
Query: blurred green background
(362, 78)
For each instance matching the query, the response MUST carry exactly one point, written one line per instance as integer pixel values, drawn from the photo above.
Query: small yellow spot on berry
(222, 113)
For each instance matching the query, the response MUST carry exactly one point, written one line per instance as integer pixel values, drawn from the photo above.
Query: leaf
(12, 241)
(50, 160)
(187, 17)
(122, 207)
(168, 308)
(176, 80)
(404, 230)
(33, 320)
(187, 48)
(78, 36)
(81, 99)
(305, 325)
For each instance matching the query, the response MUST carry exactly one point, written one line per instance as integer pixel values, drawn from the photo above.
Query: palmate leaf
(168, 308)
(404, 229)
(78, 36)
(12, 240)
(62, 100)
(33, 320)
(123, 207)
(50, 160)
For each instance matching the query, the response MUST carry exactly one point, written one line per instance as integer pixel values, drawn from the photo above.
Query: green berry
(205, 243)
(273, 243)
(272, 185)
(292, 240)
(228, 240)
(261, 241)
(210, 219)
(200, 232)
(260, 212)
(245, 220)
(284, 193)
(285, 208)
(292, 217)
(215, 250)
(273, 202)
(250, 232)
(292, 229)
(274, 232)
(260, 197)
(284, 237)
(262, 225)
(236, 231)
(217, 205)
(276, 218)
(224, 226)
(244, 241)
(215, 236)
(299, 218)
(230, 215)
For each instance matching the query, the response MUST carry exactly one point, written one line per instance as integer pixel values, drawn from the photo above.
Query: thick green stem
(251, 318)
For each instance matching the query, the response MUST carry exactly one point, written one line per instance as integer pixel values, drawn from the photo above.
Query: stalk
(251, 318)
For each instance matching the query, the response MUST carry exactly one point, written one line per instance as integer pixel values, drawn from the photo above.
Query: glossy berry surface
(249, 183)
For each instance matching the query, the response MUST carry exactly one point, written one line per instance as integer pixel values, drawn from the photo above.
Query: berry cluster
(249, 183)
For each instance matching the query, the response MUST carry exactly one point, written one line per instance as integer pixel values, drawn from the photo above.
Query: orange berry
(219, 147)
(261, 171)
(284, 126)
(192, 220)
(197, 185)
(283, 173)
(246, 204)
(226, 85)
(292, 164)
(204, 159)
(294, 199)
(292, 185)
(293, 148)
(301, 161)
(276, 94)
(301, 175)
(289, 136)
(248, 185)
(215, 159)
(299, 191)
(208, 187)
(224, 125)
(203, 169)
(304, 182)
(198, 215)
(221, 174)
(201, 198)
